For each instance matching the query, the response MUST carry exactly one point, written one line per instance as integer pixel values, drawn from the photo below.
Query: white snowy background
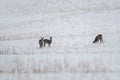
(73, 24)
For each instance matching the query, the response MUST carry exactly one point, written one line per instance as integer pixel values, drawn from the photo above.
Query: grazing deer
(47, 41)
(98, 38)
(41, 42)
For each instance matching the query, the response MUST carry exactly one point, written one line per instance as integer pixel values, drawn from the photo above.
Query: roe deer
(41, 42)
(98, 38)
(47, 41)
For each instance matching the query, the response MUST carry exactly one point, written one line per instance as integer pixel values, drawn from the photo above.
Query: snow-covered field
(72, 55)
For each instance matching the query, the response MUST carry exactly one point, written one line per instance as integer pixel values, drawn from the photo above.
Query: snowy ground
(72, 55)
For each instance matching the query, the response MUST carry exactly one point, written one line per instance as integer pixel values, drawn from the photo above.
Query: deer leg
(44, 44)
(101, 39)
(49, 45)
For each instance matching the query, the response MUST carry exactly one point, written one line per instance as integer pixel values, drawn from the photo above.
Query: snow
(73, 26)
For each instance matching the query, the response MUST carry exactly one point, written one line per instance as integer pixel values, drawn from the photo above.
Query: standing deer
(47, 41)
(98, 38)
(41, 42)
